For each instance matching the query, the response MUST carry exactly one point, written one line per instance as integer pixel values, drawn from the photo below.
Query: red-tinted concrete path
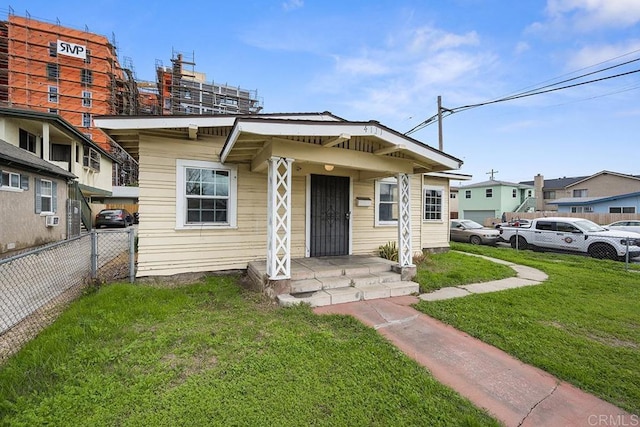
(514, 393)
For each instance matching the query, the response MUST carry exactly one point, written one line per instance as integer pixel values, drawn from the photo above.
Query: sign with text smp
(72, 49)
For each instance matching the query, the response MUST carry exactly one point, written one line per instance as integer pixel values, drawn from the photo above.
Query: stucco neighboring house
(50, 138)
(217, 192)
(600, 184)
(620, 204)
(485, 202)
(33, 197)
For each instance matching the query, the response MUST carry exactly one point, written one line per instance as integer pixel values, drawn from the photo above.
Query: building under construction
(182, 90)
(76, 74)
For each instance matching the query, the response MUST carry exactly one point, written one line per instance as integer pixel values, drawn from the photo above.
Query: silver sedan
(467, 231)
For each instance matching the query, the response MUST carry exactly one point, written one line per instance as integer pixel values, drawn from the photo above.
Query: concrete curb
(525, 276)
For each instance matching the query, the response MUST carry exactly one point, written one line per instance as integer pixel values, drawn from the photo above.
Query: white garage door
(478, 216)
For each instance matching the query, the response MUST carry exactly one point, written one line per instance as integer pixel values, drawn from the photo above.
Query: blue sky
(389, 60)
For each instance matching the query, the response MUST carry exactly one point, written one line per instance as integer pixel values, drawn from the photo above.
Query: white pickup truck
(573, 235)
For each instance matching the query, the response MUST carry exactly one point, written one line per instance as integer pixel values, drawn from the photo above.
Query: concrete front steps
(347, 284)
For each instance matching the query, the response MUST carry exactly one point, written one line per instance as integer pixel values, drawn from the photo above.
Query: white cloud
(292, 4)
(589, 15)
(360, 66)
(596, 54)
(522, 47)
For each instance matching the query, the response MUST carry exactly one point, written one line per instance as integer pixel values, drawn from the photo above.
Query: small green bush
(388, 251)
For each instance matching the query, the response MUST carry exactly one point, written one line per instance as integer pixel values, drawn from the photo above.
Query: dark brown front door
(329, 215)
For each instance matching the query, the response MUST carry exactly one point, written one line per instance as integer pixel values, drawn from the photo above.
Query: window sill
(47, 213)
(386, 224)
(205, 227)
(11, 189)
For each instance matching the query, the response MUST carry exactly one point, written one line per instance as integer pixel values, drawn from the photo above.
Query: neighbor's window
(53, 49)
(626, 209)
(514, 193)
(488, 192)
(27, 141)
(206, 194)
(86, 76)
(432, 203)
(87, 59)
(547, 195)
(86, 120)
(452, 195)
(53, 94)
(86, 99)
(387, 201)
(581, 209)
(467, 194)
(11, 180)
(580, 193)
(91, 158)
(45, 196)
(53, 71)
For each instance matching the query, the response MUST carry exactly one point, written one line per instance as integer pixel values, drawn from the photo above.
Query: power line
(532, 92)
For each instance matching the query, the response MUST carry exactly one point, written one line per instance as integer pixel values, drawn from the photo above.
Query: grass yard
(213, 354)
(582, 325)
(437, 271)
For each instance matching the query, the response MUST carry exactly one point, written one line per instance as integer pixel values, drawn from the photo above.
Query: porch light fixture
(328, 168)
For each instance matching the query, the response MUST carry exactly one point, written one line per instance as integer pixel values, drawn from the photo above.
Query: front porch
(325, 281)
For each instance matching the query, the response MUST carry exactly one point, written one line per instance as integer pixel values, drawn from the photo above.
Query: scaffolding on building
(184, 91)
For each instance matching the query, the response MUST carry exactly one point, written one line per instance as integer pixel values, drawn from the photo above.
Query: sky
(389, 60)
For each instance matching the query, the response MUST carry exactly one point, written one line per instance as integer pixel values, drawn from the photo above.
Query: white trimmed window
(86, 99)
(206, 194)
(387, 201)
(433, 205)
(53, 94)
(46, 196)
(10, 181)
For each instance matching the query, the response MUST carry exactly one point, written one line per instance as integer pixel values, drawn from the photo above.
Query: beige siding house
(219, 192)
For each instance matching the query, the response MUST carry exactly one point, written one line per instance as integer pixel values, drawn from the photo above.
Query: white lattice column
(404, 221)
(279, 219)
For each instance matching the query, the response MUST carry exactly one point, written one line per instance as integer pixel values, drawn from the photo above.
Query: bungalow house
(485, 202)
(221, 192)
(53, 139)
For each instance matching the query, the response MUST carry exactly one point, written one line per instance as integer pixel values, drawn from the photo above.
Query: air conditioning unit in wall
(52, 220)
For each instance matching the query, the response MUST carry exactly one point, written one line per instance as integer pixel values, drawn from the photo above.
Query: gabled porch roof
(360, 145)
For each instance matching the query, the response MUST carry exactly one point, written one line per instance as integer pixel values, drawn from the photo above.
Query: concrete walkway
(514, 393)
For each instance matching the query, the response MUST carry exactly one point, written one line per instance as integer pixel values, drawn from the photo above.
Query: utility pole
(440, 144)
(492, 172)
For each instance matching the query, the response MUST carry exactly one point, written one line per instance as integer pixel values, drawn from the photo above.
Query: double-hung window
(206, 194)
(27, 141)
(53, 94)
(10, 180)
(45, 196)
(433, 205)
(86, 98)
(387, 201)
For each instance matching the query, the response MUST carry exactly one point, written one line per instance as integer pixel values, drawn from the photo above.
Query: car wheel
(521, 242)
(475, 240)
(602, 251)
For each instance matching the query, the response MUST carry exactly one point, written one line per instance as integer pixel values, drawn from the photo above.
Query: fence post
(94, 254)
(132, 255)
(626, 256)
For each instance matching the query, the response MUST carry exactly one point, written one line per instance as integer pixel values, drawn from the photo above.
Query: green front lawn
(582, 325)
(437, 271)
(213, 354)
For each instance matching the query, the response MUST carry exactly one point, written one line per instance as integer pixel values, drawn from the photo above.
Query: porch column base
(273, 288)
(407, 272)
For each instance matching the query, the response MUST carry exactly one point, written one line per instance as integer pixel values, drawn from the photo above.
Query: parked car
(629, 225)
(114, 218)
(465, 230)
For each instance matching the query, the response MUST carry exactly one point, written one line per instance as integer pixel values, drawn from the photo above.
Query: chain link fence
(608, 247)
(36, 285)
